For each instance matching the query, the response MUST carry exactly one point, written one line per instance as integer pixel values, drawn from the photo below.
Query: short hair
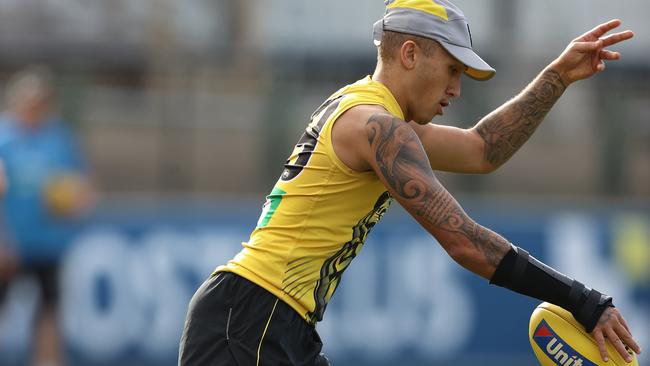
(392, 41)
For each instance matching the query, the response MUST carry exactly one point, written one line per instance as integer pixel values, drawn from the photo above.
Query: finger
(599, 30)
(600, 341)
(627, 339)
(618, 345)
(616, 38)
(586, 47)
(596, 63)
(622, 320)
(609, 55)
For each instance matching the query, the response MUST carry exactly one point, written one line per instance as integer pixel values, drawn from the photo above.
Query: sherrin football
(559, 340)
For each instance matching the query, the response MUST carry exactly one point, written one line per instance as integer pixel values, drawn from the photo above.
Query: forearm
(507, 128)
(476, 248)
(491, 256)
(526, 275)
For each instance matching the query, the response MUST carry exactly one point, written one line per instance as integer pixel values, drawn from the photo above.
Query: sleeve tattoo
(405, 167)
(509, 127)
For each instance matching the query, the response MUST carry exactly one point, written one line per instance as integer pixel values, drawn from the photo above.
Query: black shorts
(47, 277)
(232, 321)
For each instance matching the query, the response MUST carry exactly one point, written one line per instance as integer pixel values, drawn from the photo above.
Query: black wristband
(588, 311)
(522, 273)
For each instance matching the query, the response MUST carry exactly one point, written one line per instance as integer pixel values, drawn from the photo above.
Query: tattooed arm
(507, 128)
(499, 135)
(397, 156)
(368, 138)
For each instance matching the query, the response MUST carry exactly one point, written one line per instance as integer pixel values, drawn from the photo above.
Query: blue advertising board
(128, 277)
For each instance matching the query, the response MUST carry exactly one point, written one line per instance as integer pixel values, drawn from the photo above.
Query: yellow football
(559, 340)
(62, 193)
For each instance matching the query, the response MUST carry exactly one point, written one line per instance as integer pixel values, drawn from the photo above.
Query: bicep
(452, 149)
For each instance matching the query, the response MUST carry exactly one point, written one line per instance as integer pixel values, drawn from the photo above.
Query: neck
(391, 81)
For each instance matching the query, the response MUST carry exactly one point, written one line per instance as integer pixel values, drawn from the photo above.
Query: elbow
(460, 253)
(483, 164)
(487, 164)
(485, 167)
(466, 256)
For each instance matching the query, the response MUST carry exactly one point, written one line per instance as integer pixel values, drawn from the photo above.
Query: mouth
(442, 105)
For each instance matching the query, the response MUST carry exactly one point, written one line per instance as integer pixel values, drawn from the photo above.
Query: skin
(405, 154)
(32, 109)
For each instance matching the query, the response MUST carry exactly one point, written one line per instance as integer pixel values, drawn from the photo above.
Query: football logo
(557, 349)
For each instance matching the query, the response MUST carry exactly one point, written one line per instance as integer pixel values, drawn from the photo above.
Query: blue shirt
(32, 157)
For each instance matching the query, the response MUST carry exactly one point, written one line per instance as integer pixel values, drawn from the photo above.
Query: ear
(407, 54)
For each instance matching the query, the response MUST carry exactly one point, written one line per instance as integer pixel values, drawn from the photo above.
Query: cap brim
(476, 68)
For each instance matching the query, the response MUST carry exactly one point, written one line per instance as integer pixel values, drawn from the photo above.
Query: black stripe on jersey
(302, 290)
(300, 285)
(290, 271)
(299, 260)
(299, 266)
(309, 139)
(296, 277)
(333, 267)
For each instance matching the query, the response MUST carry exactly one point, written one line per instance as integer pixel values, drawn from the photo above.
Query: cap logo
(427, 6)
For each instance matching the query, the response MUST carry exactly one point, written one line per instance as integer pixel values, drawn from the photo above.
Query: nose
(454, 87)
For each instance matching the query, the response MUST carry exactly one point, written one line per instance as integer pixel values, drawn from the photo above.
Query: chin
(424, 120)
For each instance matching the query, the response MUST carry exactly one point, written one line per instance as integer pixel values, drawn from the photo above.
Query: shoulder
(352, 124)
(350, 135)
(358, 116)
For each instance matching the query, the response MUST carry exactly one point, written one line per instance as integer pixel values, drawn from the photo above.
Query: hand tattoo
(606, 316)
(405, 167)
(509, 127)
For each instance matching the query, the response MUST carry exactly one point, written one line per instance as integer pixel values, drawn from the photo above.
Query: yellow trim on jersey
(319, 213)
(427, 6)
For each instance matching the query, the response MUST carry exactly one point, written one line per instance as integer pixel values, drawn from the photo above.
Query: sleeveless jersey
(319, 213)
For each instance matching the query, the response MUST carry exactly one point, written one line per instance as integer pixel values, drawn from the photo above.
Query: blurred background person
(7, 255)
(48, 195)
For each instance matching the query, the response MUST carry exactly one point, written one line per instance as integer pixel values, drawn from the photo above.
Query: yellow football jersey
(319, 213)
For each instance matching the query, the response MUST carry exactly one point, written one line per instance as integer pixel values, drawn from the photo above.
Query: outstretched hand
(613, 327)
(585, 55)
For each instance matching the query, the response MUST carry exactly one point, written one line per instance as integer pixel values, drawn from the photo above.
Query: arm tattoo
(405, 167)
(509, 127)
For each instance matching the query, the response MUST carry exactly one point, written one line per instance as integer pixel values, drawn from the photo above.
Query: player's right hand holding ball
(612, 326)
